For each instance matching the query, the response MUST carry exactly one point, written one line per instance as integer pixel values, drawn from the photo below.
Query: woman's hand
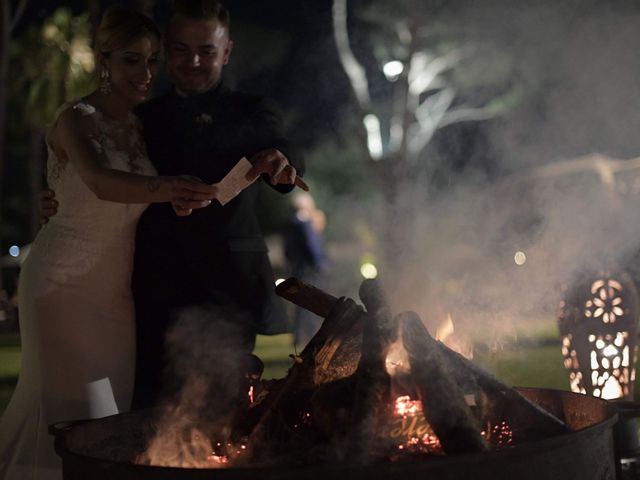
(190, 193)
(47, 205)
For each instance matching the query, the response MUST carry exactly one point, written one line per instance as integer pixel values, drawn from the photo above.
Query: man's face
(196, 52)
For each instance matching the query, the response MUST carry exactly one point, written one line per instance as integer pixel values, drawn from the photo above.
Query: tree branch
(423, 71)
(353, 69)
(465, 115)
(19, 11)
(429, 115)
(358, 79)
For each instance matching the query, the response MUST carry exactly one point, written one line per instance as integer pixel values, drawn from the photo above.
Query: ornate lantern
(598, 322)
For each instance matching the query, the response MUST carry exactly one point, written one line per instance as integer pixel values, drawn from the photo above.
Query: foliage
(449, 72)
(60, 48)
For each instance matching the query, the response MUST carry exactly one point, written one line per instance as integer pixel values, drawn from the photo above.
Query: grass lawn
(9, 365)
(532, 362)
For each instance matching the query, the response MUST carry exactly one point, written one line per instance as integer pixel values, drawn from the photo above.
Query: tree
(413, 74)
(60, 47)
(9, 18)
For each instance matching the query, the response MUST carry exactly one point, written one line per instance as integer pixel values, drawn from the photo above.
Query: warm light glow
(368, 270)
(520, 258)
(609, 362)
(374, 137)
(250, 393)
(611, 389)
(397, 360)
(446, 334)
(499, 435)
(404, 406)
(411, 429)
(606, 302)
(445, 329)
(393, 69)
(177, 443)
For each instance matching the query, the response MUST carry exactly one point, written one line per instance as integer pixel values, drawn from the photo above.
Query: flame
(410, 429)
(179, 443)
(397, 361)
(445, 333)
(404, 406)
(445, 329)
(250, 393)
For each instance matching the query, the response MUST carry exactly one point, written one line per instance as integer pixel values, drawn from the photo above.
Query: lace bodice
(84, 225)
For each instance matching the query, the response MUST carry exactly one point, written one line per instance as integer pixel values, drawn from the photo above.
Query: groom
(212, 259)
(215, 256)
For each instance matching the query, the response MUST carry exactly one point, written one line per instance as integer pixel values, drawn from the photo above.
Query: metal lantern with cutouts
(598, 322)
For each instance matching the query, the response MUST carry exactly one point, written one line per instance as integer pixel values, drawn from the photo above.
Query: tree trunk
(8, 21)
(5, 24)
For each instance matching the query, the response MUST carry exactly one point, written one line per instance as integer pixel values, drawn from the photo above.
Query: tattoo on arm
(153, 184)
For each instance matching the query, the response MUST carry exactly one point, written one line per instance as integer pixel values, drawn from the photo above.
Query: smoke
(566, 194)
(207, 361)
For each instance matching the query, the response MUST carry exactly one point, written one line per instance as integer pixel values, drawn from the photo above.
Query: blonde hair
(121, 26)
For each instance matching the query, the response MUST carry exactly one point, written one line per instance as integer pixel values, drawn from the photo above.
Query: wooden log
(306, 296)
(300, 381)
(334, 351)
(372, 402)
(443, 402)
(495, 402)
(499, 402)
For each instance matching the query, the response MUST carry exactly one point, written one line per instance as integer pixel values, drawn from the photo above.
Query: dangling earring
(105, 81)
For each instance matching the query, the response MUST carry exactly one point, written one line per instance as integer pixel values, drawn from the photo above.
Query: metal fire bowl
(102, 449)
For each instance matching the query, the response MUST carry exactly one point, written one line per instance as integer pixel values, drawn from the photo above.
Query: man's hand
(47, 205)
(184, 206)
(273, 162)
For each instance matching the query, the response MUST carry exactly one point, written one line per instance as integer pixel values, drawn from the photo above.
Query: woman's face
(133, 68)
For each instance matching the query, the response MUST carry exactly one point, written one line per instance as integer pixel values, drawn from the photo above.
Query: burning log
(499, 401)
(442, 399)
(334, 351)
(307, 296)
(494, 401)
(288, 406)
(372, 383)
(338, 396)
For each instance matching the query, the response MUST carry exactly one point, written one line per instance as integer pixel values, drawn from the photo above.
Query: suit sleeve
(265, 129)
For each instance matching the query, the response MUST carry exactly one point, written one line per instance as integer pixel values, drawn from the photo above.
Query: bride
(76, 309)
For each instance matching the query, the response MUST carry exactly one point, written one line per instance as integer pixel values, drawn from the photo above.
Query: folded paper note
(234, 182)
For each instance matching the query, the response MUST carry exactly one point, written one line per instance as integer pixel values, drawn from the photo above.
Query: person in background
(76, 306)
(306, 258)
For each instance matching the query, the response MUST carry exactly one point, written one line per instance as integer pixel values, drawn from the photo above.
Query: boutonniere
(204, 119)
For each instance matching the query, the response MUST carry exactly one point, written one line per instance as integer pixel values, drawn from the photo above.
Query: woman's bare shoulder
(76, 117)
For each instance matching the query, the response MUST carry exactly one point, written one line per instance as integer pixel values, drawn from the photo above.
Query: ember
(371, 386)
(416, 435)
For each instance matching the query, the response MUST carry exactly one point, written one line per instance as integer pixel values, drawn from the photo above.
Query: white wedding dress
(76, 308)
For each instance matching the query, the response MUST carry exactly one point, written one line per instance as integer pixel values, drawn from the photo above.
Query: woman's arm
(72, 137)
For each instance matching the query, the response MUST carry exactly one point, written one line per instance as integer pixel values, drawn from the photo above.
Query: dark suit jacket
(216, 256)
(218, 252)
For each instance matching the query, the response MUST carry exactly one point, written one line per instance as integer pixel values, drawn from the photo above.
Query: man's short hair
(202, 10)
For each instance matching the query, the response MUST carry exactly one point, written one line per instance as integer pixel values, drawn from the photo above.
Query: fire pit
(372, 396)
(103, 449)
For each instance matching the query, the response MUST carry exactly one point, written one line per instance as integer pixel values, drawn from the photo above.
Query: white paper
(234, 182)
(101, 400)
